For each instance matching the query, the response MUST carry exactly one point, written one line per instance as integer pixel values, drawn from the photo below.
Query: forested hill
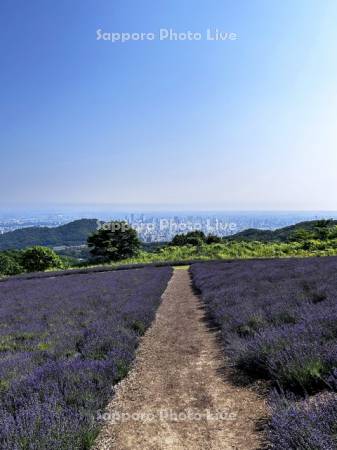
(314, 229)
(73, 233)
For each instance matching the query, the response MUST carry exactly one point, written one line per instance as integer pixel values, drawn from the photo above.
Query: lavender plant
(64, 342)
(278, 321)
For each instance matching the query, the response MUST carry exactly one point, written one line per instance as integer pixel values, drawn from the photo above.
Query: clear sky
(242, 124)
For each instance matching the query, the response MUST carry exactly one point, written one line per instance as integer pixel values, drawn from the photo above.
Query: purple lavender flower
(64, 342)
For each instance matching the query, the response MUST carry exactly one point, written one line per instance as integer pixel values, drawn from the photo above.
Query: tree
(179, 240)
(114, 241)
(195, 238)
(191, 238)
(36, 259)
(213, 239)
(8, 265)
(301, 235)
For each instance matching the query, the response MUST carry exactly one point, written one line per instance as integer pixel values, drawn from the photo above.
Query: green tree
(36, 259)
(114, 241)
(9, 266)
(333, 232)
(324, 229)
(213, 239)
(301, 235)
(191, 238)
(179, 240)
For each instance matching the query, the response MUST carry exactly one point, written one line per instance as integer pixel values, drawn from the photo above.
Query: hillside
(73, 233)
(315, 227)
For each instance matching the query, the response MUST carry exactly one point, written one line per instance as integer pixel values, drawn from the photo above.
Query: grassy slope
(236, 250)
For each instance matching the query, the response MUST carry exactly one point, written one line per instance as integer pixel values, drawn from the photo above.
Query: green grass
(17, 342)
(232, 250)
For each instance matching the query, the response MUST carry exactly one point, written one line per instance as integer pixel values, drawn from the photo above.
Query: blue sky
(244, 124)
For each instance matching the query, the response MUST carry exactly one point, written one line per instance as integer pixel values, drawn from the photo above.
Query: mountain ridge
(71, 234)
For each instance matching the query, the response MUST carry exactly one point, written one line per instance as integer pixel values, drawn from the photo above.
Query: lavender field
(278, 320)
(64, 342)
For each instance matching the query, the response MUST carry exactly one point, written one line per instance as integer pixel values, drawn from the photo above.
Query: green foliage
(322, 230)
(9, 265)
(213, 239)
(36, 259)
(194, 238)
(139, 327)
(88, 438)
(191, 238)
(17, 341)
(114, 242)
(235, 250)
(179, 240)
(314, 229)
(301, 234)
(254, 324)
(122, 369)
(304, 375)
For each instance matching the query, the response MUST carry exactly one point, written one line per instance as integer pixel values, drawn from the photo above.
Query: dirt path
(177, 397)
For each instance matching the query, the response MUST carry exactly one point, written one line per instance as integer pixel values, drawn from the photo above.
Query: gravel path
(178, 396)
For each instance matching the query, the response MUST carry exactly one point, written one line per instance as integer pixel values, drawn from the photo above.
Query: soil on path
(178, 395)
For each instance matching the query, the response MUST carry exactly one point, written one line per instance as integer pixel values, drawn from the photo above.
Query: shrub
(9, 266)
(36, 259)
(192, 238)
(213, 239)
